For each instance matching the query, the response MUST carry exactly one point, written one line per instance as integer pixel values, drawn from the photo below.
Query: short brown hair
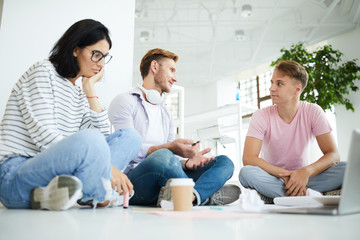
(293, 70)
(154, 54)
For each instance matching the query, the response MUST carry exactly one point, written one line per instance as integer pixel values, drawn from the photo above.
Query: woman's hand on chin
(88, 83)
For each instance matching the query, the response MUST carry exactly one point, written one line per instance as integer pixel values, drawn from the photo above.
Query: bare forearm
(182, 147)
(88, 85)
(93, 100)
(331, 155)
(264, 165)
(157, 147)
(95, 104)
(326, 161)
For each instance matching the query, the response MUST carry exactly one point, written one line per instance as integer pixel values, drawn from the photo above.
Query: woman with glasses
(53, 149)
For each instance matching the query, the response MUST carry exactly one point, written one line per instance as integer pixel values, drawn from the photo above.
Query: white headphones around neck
(152, 95)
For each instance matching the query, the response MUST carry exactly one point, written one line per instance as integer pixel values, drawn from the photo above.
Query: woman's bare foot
(104, 204)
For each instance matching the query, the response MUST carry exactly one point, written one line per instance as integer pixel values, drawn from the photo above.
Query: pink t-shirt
(288, 145)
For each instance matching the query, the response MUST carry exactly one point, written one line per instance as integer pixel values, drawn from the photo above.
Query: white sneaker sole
(60, 194)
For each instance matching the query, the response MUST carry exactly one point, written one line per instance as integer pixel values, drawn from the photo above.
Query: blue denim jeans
(88, 155)
(268, 185)
(154, 171)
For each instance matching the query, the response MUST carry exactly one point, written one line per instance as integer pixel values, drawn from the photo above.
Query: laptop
(349, 201)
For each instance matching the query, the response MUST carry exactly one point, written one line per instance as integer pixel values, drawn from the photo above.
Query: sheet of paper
(300, 201)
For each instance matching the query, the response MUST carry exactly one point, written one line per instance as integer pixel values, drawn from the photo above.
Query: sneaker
(60, 194)
(112, 197)
(229, 193)
(267, 200)
(82, 202)
(165, 193)
(333, 193)
(93, 203)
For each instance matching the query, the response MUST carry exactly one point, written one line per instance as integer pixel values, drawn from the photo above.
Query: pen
(126, 200)
(195, 143)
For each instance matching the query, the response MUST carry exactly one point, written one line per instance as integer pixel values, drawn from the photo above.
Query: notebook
(348, 202)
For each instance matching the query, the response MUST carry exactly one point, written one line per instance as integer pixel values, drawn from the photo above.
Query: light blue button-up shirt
(127, 110)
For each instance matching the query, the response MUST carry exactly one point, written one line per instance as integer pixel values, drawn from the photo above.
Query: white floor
(141, 223)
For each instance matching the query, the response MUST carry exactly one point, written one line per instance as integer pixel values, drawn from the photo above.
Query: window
(255, 91)
(175, 103)
(172, 102)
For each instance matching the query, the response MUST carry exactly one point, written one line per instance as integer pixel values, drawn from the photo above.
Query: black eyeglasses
(97, 56)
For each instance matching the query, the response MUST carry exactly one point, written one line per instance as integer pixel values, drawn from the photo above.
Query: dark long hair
(81, 34)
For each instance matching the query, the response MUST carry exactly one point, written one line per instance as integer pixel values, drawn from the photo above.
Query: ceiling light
(246, 10)
(239, 35)
(144, 36)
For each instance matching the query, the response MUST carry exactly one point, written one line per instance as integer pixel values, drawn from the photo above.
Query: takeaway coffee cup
(182, 193)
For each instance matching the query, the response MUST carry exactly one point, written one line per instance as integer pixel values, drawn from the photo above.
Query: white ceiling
(202, 32)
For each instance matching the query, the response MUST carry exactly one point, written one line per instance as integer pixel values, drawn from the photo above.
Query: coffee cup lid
(182, 182)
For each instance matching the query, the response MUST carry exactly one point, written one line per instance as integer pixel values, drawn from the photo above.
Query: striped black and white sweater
(43, 108)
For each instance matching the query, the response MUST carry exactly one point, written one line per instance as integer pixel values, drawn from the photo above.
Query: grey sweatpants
(270, 186)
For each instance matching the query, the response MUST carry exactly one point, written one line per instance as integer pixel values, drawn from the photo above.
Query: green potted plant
(330, 78)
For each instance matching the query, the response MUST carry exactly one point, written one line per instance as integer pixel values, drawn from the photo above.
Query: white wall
(226, 91)
(200, 99)
(29, 30)
(346, 121)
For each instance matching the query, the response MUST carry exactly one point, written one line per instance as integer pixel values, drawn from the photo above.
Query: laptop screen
(350, 192)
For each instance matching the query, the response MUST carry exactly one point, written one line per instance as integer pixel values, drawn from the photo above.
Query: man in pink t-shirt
(277, 146)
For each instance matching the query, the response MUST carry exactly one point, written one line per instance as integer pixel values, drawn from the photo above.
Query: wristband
(186, 166)
(92, 97)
